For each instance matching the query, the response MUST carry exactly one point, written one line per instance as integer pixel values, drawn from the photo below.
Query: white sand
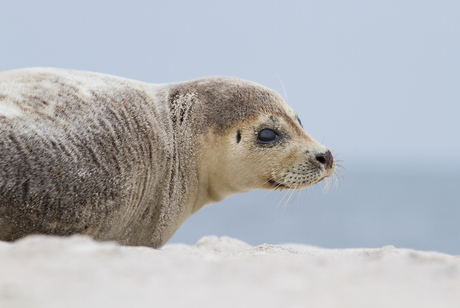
(41, 271)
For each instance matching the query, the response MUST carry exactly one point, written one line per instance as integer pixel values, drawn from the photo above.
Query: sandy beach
(41, 271)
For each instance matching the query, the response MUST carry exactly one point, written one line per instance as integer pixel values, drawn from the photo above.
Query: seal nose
(326, 159)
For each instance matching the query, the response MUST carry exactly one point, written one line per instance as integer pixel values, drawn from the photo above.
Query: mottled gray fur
(110, 157)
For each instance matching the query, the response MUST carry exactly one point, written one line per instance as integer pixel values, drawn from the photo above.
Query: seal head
(251, 139)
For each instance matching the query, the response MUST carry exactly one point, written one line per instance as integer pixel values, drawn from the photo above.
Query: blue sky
(376, 81)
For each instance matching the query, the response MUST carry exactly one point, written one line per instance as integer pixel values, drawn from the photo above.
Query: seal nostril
(321, 158)
(326, 159)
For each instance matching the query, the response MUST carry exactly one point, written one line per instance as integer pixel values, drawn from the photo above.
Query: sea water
(372, 207)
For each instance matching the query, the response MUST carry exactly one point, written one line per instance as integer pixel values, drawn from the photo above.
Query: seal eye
(267, 136)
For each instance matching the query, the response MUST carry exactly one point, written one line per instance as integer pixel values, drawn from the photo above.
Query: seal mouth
(276, 184)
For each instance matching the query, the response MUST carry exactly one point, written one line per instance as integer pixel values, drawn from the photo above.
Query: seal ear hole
(238, 137)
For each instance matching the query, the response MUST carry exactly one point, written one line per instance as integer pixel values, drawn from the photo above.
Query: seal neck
(214, 177)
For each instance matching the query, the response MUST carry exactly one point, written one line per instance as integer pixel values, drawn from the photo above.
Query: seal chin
(319, 180)
(301, 185)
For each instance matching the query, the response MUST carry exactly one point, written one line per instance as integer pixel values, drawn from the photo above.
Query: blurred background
(378, 82)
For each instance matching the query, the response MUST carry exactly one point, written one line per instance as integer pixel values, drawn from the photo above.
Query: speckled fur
(113, 158)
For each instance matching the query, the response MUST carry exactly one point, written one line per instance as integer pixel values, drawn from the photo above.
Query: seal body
(123, 160)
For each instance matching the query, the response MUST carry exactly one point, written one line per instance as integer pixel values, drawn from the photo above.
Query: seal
(123, 160)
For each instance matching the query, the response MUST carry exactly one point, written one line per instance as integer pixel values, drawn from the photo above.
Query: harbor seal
(123, 160)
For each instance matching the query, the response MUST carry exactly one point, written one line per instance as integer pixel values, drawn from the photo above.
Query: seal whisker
(299, 194)
(263, 184)
(282, 213)
(269, 192)
(336, 176)
(286, 203)
(284, 89)
(327, 185)
(284, 195)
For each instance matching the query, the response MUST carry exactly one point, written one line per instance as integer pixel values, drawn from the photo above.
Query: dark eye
(267, 136)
